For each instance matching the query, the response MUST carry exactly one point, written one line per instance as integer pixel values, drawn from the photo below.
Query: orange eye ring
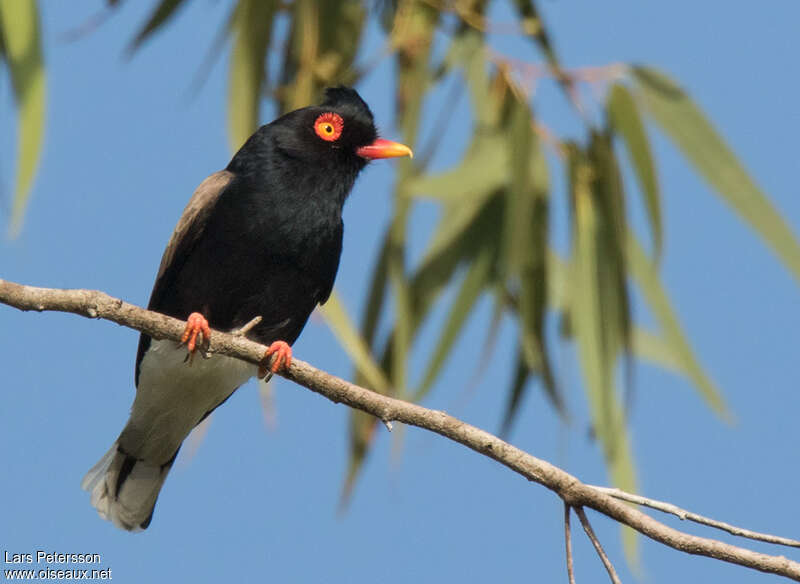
(328, 126)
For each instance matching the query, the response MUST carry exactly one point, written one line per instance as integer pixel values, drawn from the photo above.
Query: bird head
(346, 122)
(338, 133)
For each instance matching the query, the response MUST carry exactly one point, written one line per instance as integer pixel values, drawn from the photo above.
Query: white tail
(124, 489)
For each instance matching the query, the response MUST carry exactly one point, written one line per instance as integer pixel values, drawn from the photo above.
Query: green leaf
(413, 39)
(627, 122)
(483, 169)
(656, 349)
(645, 274)
(438, 267)
(586, 305)
(377, 293)
(163, 13)
(532, 341)
(21, 37)
(611, 233)
(520, 195)
(252, 30)
(525, 236)
(694, 135)
(403, 333)
(413, 35)
(465, 191)
(515, 395)
(475, 282)
(533, 25)
(341, 27)
(490, 342)
(323, 41)
(557, 281)
(300, 54)
(362, 433)
(468, 51)
(588, 323)
(337, 318)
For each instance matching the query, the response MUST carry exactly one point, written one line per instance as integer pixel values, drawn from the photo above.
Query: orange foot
(196, 324)
(283, 358)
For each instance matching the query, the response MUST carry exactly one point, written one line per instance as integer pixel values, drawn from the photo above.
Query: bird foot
(196, 325)
(282, 360)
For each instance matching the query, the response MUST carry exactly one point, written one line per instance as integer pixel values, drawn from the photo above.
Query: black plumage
(261, 238)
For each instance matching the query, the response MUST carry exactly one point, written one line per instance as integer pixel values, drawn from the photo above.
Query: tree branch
(568, 542)
(685, 515)
(587, 527)
(94, 304)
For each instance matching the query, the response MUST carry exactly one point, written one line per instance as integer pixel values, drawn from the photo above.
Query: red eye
(329, 126)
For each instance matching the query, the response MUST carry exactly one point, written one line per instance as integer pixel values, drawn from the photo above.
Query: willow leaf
(252, 29)
(339, 321)
(586, 306)
(297, 75)
(437, 268)
(656, 349)
(532, 341)
(515, 394)
(464, 189)
(645, 274)
(533, 25)
(683, 121)
(413, 31)
(483, 169)
(525, 251)
(490, 342)
(468, 52)
(163, 12)
(475, 282)
(377, 293)
(627, 122)
(362, 433)
(557, 281)
(413, 34)
(21, 34)
(623, 474)
(519, 196)
(340, 35)
(611, 233)
(587, 319)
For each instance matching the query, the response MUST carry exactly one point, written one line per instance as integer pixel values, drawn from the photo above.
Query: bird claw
(196, 325)
(282, 360)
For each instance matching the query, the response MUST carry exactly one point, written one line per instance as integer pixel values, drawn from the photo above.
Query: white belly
(174, 394)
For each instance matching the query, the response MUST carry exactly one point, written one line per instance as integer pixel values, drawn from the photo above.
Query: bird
(261, 238)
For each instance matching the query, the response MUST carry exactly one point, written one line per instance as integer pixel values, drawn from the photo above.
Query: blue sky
(126, 144)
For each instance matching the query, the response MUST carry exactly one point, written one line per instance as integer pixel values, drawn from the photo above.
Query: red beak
(381, 148)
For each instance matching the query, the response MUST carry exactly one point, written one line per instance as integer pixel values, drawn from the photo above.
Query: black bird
(261, 238)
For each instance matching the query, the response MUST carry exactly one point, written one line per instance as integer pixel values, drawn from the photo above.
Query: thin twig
(587, 527)
(248, 327)
(568, 540)
(599, 74)
(684, 514)
(94, 304)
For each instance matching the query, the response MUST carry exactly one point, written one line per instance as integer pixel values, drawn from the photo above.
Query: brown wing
(188, 230)
(193, 220)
